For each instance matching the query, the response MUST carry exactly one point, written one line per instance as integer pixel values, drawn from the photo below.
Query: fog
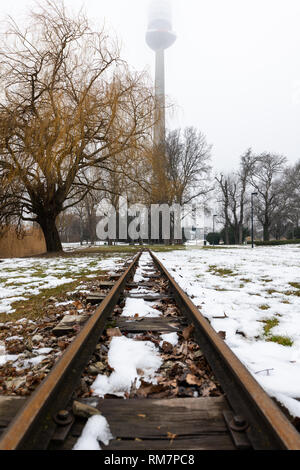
(234, 71)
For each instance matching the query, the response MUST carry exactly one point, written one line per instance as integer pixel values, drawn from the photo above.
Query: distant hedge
(213, 238)
(276, 242)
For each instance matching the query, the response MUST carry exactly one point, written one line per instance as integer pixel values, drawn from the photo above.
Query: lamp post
(214, 222)
(252, 218)
(204, 237)
(214, 227)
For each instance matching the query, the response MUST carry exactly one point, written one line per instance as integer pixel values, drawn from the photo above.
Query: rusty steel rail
(36, 423)
(268, 429)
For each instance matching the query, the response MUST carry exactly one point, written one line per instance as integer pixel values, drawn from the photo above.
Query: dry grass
(32, 244)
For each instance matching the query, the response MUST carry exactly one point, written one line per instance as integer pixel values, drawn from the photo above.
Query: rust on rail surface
(34, 425)
(269, 428)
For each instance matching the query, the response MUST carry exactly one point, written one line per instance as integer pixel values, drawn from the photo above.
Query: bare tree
(265, 179)
(246, 167)
(238, 198)
(69, 104)
(188, 165)
(224, 200)
(234, 198)
(291, 191)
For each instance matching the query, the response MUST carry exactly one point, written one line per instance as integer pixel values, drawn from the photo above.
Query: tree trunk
(227, 234)
(266, 233)
(236, 234)
(241, 234)
(51, 235)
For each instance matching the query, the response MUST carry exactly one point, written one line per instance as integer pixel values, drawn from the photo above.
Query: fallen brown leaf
(207, 388)
(167, 347)
(193, 380)
(222, 334)
(78, 304)
(148, 389)
(188, 331)
(111, 332)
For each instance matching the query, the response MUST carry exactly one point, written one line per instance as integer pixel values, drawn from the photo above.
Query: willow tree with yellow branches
(68, 105)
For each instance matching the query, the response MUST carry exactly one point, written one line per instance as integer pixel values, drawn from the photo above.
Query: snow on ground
(96, 430)
(141, 308)
(20, 277)
(171, 338)
(18, 359)
(256, 295)
(142, 269)
(132, 361)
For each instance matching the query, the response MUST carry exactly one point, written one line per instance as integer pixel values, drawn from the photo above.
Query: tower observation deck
(159, 37)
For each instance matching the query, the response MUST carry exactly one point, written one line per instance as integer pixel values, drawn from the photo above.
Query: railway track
(231, 413)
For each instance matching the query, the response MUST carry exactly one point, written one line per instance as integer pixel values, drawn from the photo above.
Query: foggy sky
(234, 71)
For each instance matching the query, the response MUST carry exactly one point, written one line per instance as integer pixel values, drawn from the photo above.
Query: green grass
(223, 272)
(269, 324)
(289, 292)
(283, 340)
(163, 248)
(276, 242)
(218, 248)
(127, 249)
(264, 307)
(33, 306)
(14, 284)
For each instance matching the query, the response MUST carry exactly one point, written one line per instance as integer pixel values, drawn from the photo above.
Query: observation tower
(159, 37)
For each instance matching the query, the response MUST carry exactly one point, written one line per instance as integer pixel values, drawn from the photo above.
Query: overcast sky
(234, 71)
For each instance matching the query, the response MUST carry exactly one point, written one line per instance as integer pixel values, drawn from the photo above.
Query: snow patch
(140, 307)
(254, 288)
(171, 338)
(132, 361)
(23, 277)
(96, 430)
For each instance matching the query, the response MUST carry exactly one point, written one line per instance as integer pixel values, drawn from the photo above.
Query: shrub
(213, 238)
(276, 242)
